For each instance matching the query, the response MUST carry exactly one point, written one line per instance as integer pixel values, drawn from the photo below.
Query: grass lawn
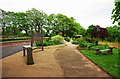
(107, 62)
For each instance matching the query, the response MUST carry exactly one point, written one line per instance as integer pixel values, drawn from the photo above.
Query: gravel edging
(98, 65)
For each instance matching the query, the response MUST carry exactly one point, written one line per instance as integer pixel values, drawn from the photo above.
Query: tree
(89, 31)
(24, 23)
(37, 18)
(51, 25)
(114, 33)
(14, 23)
(116, 12)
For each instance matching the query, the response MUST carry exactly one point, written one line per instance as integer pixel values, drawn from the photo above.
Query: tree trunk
(26, 32)
(63, 33)
(3, 30)
(14, 31)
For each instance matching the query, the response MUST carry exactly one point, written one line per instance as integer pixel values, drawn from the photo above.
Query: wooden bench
(109, 50)
(29, 54)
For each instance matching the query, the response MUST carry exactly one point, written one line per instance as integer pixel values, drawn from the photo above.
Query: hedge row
(14, 39)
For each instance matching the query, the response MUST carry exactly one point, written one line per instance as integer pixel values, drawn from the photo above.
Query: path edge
(97, 65)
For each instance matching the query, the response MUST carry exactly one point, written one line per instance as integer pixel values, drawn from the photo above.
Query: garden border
(98, 65)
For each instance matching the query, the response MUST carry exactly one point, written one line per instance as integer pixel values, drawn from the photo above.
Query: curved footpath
(60, 61)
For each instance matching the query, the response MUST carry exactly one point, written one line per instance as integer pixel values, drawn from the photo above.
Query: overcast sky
(86, 12)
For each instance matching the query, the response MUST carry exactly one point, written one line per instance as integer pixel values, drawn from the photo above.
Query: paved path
(45, 64)
(61, 61)
(75, 64)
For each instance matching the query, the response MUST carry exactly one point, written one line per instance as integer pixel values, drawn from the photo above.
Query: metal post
(42, 38)
(110, 52)
(31, 36)
(97, 50)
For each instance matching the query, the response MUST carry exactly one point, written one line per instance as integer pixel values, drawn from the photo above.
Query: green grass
(107, 62)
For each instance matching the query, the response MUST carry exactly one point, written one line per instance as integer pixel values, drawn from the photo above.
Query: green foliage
(114, 34)
(37, 44)
(84, 44)
(101, 46)
(74, 42)
(116, 13)
(92, 40)
(15, 23)
(89, 30)
(80, 40)
(45, 43)
(57, 39)
(67, 39)
(107, 62)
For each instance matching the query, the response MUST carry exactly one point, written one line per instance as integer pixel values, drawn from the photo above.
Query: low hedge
(13, 39)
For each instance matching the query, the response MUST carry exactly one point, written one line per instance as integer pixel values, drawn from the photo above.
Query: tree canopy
(18, 23)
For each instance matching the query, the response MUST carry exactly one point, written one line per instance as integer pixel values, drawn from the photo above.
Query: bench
(109, 50)
(29, 54)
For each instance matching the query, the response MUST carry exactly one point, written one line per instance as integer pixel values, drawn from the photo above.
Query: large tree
(37, 18)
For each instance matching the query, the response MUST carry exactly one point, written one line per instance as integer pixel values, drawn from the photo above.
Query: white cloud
(86, 12)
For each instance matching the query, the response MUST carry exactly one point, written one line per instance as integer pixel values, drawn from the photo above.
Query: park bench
(28, 48)
(109, 50)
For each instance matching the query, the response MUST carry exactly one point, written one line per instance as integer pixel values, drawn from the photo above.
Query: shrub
(57, 39)
(53, 41)
(80, 40)
(77, 41)
(67, 39)
(84, 44)
(74, 42)
(45, 43)
(102, 46)
(37, 44)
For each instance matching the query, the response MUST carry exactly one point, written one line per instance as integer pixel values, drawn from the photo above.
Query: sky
(85, 12)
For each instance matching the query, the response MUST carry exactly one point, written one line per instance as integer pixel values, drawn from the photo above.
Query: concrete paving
(75, 64)
(54, 61)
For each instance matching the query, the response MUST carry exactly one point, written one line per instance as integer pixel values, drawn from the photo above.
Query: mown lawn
(106, 61)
